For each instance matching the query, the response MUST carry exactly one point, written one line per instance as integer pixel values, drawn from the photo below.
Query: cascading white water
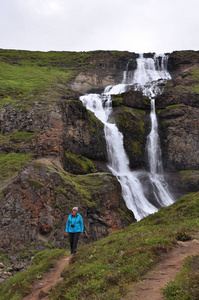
(148, 76)
(147, 71)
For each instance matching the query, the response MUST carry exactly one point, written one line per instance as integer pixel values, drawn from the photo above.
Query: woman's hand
(65, 233)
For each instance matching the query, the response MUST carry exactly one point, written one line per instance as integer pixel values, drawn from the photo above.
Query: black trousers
(73, 238)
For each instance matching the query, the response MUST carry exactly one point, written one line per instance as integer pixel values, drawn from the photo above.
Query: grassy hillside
(24, 73)
(108, 269)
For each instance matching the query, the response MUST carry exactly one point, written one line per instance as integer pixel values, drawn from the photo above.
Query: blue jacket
(77, 222)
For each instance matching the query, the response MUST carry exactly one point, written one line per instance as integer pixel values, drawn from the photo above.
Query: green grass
(54, 59)
(107, 269)
(7, 100)
(23, 73)
(17, 137)
(11, 163)
(20, 284)
(23, 80)
(190, 176)
(186, 284)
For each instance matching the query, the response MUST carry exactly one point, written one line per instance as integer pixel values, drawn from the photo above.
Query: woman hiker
(74, 227)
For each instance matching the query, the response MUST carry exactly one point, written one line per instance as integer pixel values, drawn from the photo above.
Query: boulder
(132, 98)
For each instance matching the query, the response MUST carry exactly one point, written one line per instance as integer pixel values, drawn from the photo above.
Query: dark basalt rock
(82, 132)
(132, 124)
(132, 98)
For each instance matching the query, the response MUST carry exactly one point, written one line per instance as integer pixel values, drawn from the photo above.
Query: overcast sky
(81, 25)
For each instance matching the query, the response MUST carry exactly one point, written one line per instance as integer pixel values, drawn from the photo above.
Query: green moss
(11, 163)
(78, 164)
(35, 183)
(117, 100)
(80, 189)
(17, 137)
(175, 106)
(139, 111)
(136, 148)
(93, 123)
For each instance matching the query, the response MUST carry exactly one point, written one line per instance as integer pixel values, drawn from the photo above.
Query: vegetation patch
(117, 100)
(190, 177)
(108, 269)
(136, 148)
(11, 163)
(35, 183)
(6, 101)
(78, 164)
(80, 189)
(186, 284)
(16, 137)
(20, 285)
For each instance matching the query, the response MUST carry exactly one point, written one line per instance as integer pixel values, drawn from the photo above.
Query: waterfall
(145, 78)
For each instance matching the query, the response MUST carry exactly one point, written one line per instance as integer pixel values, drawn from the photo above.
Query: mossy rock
(190, 180)
(131, 123)
(132, 98)
(76, 163)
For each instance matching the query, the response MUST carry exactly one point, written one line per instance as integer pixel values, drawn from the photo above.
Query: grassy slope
(23, 73)
(107, 269)
(20, 284)
(11, 163)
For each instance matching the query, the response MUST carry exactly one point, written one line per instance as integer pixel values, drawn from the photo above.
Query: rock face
(181, 60)
(34, 208)
(82, 132)
(179, 127)
(104, 68)
(179, 137)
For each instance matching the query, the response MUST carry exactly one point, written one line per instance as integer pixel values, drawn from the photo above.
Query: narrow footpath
(40, 288)
(150, 288)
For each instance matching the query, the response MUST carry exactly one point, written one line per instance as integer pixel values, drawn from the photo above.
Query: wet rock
(132, 124)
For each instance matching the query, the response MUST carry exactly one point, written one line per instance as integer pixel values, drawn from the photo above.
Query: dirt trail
(151, 286)
(41, 287)
(149, 289)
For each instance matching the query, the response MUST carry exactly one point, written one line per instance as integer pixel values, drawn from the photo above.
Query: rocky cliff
(53, 152)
